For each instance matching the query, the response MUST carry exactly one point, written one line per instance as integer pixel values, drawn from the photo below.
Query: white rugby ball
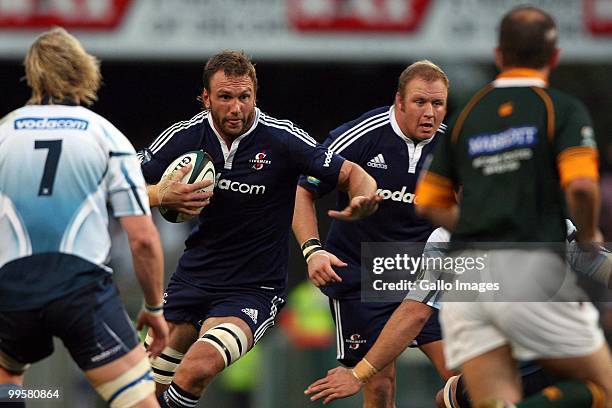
(202, 168)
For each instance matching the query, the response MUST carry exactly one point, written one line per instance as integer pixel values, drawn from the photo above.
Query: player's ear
(206, 98)
(398, 101)
(554, 59)
(499, 61)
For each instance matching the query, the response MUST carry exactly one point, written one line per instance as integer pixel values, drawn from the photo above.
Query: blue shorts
(91, 322)
(257, 307)
(358, 325)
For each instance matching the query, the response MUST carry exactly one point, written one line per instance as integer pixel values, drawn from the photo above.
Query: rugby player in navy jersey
(391, 143)
(230, 282)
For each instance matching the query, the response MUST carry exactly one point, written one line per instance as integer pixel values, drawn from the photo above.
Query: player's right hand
(320, 271)
(339, 383)
(159, 331)
(182, 197)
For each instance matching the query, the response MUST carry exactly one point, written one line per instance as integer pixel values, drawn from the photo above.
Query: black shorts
(91, 322)
(358, 325)
(257, 307)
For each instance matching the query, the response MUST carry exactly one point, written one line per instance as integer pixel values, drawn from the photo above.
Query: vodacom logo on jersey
(398, 195)
(242, 188)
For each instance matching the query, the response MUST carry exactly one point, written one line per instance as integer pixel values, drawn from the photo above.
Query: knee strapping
(229, 340)
(166, 364)
(448, 391)
(130, 387)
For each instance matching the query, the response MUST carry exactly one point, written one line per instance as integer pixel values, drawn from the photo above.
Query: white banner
(345, 30)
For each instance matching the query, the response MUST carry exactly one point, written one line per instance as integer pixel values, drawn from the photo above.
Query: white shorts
(534, 330)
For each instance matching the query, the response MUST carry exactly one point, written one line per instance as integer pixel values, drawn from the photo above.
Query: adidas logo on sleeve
(378, 162)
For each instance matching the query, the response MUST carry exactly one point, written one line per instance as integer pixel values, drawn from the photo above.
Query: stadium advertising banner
(298, 29)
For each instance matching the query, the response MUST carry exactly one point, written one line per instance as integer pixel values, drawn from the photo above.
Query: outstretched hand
(185, 198)
(359, 207)
(339, 383)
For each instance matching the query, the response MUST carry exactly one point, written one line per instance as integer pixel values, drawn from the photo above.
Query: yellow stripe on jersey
(550, 112)
(436, 191)
(577, 162)
(466, 111)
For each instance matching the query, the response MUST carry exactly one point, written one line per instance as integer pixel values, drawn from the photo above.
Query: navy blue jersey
(242, 238)
(375, 142)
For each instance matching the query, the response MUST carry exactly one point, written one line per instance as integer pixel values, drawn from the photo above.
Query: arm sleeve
(127, 192)
(321, 165)
(169, 145)
(436, 186)
(575, 146)
(436, 247)
(351, 151)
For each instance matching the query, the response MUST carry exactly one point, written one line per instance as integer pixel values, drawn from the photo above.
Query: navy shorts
(257, 307)
(91, 321)
(358, 325)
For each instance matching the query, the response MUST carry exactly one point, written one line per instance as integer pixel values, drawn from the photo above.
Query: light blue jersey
(60, 166)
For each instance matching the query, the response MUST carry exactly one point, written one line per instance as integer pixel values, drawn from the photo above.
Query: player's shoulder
(7, 120)
(565, 102)
(283, 129)
(361, 130)
(193, 124)
(108, 134)
(183, 131)
(367, 121)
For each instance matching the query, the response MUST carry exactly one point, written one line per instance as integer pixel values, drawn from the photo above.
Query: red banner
(598, 16)
(357, 15)
(81, 14)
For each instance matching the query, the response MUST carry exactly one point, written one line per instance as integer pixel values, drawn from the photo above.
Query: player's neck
(524, 72)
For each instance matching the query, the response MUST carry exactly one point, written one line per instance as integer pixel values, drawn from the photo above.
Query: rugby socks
(11, 396)
(176, 397)
(567, 394)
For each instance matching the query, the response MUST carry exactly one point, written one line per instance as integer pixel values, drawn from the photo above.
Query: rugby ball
(202, 168)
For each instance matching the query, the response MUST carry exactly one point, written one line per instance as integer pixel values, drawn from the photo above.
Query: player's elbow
(142, 234)
(355, 180)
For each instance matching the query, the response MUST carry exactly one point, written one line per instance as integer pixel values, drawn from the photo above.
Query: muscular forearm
(355, 181)
(400, 330)
(583, 203)
(148, 266)
(304, 216)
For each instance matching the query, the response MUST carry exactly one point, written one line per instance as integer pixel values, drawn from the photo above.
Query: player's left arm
(361, 188)
(578, 166)
(436, 189)
(403, 326)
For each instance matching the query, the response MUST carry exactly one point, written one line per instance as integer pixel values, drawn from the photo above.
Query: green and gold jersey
(514, 147)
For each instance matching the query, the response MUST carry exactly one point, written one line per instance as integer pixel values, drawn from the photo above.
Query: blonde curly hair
(58, 68)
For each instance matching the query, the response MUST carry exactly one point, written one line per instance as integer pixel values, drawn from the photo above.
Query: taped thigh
(129, 388)
(164, 366)
(229, 340)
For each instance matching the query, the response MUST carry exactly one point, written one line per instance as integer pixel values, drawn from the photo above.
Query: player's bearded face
(231, 101)
(422, 107)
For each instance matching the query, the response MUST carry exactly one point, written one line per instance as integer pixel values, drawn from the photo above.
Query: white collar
(519, 82)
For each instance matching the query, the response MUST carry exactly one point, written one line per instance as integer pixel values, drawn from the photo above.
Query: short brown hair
(233, 64)
(57, 67)
(527, 37)
(424, 69)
